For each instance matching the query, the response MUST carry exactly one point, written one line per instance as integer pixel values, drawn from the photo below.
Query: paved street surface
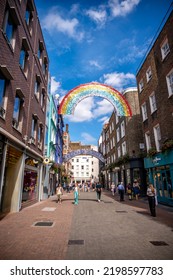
(109, 230)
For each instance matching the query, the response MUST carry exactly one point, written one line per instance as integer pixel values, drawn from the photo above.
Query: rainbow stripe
(74, 96)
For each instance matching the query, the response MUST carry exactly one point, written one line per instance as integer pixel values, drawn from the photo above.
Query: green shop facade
(160, 173)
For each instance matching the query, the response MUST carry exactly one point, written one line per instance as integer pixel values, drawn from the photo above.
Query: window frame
(165, 51)
(157, 137)
(17, 119)
(141, 85)
(144, 112)
(148, 140)
(148, 74)
(153, 105)
(169, 84)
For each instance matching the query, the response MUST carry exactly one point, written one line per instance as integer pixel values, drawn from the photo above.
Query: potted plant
(151, 152)
(167, 145)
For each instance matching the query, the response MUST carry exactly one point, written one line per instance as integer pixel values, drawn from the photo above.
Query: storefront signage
(156, 160)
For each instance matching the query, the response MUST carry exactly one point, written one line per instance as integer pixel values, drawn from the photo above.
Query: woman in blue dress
(76, 194)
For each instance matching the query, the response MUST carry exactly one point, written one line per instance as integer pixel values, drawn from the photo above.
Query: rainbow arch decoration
(74, 96)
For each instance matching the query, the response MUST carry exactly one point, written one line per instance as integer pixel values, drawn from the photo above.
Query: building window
(24, 55)
(82, 166)
(124, 151)
(141, 85)
(118, 134)
(157, 137)
(148, 140)
(33, 129)
(77, 160)
(148, 74)
(165, 49)
(40, 51)
(40, 136)
(42, 102)
(45, 66)
(169, 80)
(144, 111)
(29, 15)
(117, 119)
(122, 129)
(119, 152)
(113, 142)
(2, 95)
(11, 21)
(37, 87)
(152, 99)
(17, 113)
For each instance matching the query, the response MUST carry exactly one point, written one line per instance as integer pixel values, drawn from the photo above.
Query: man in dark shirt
(98, 191)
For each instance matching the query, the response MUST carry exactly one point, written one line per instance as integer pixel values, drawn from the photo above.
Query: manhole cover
(121, 211)
(159, 243)
(76, 242)
(43, 224)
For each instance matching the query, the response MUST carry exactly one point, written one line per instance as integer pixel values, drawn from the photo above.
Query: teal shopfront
(160, 173)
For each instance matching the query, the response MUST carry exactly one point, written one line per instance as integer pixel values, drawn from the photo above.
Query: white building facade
(85, 168)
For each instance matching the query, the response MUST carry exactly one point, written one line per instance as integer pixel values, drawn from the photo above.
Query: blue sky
(101, 41)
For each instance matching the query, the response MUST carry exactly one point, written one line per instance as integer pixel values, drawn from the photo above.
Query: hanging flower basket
(151, 152)
(167, 145)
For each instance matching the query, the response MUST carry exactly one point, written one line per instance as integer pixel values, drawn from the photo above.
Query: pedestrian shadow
(145, 213)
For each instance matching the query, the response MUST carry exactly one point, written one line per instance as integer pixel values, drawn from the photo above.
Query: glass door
(163, 184)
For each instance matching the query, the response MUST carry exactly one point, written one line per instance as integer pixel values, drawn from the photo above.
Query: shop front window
(30, 184)
(163, 182)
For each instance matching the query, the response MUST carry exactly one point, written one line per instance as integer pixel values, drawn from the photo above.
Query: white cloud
(122, 8)
(95, 63)
(104, 120)
(90, 109)
(83, 111)
(87, 138)
(57, 89)
(103, 107)
(114, 8)
(98, 16)
(55, 86)
(119, 80)
(54, 21)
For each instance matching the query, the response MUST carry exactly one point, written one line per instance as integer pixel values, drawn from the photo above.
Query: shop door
(163, 184)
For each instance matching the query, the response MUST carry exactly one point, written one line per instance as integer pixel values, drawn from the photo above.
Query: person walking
(129, 191)
(136, 189)
(121, 190)
(76, 194)
(98, 191)
(151, 193)
(113, 188)
(59, 193)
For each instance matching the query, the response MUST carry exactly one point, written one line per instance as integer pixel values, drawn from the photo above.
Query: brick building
(122, 145)
(155, 84)
(23, 89)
